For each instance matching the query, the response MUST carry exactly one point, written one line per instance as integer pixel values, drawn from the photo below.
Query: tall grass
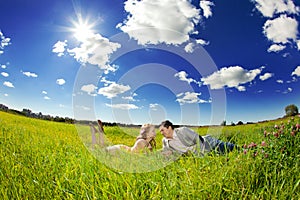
(47, 160)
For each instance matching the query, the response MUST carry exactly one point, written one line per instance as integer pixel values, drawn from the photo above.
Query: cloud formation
(189, 98)
(183, 76)
(122, 106)
(206, 8)
(59, 47)
(269, 8)
(60, 81)
(113, 89)
(90, 89)
(30, 74)
(148, 21)
(4, 41)
(4, 74)
(265, 76)
(95, 50)
(231, 77)
(296, 71)
(8, 84)
(281, 27)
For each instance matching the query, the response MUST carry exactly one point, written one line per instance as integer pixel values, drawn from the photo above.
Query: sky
(143, 61)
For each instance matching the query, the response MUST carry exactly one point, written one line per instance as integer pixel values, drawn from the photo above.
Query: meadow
(48, 160)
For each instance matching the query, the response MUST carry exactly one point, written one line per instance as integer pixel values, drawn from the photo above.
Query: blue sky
(193, 62)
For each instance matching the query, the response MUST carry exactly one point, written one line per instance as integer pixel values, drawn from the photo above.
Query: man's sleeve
(188, 137)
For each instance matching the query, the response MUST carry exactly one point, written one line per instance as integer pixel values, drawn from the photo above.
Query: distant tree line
(29, 113)
(290, 111)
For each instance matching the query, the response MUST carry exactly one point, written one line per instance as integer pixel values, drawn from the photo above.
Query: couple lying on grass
(180, 140)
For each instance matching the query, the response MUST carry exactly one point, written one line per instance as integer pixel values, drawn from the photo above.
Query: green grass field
(47, 160)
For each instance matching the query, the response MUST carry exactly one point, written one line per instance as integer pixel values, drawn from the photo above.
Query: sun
(82, 30)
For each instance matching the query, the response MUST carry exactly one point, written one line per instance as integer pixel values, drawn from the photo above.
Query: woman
(145, 141)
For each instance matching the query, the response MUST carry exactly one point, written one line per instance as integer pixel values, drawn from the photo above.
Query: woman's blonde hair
(148, 132)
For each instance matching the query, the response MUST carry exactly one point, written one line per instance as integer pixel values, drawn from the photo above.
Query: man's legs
(94, 131)
(223, 147)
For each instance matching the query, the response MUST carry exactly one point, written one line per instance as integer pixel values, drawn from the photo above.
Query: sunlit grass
(47, 160)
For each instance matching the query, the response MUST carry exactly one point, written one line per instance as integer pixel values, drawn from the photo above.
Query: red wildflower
(293, 133)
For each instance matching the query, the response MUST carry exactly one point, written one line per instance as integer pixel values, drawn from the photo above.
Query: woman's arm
(139, 146)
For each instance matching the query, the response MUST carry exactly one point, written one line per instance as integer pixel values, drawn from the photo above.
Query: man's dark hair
(167, 123)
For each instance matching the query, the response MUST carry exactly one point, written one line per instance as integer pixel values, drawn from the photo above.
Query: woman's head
(147, 131)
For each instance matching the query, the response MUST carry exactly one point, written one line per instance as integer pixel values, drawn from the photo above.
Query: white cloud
(106, 82)
(95, 50)
(276, 48)
(182, 75)
(269, 8)
(4, 74)
(44, 92)
(60, 81)
(122, 106)
(298, 45)
(6, 95)
(8, 84)
(273, 29)
(113, 90)
(241, 88)
(288, 90)
(189, 48)
(206, 7)
(3, 66)
(279, 81)
(296, 71)
(130, 98)
(189, 98)
(30, 74)
(85, 108)
(59, 47)
(4, 41)
(153, 106)
(202, 42)
(282, 26)
(90, 89)
(46, 98)
(148, 20)
(230, 77)
(265, 76)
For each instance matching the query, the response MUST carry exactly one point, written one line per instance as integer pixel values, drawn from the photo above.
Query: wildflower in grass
(276, 134)
(298, 126)
(252, 144)
(263, 144)
(266, 155)
(293, 133)
(245, 151)
(265, 133)
(276, 126)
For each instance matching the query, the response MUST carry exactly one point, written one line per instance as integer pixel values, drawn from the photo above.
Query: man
(183, 140)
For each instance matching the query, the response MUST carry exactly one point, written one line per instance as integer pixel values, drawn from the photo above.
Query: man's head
(166, 128)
